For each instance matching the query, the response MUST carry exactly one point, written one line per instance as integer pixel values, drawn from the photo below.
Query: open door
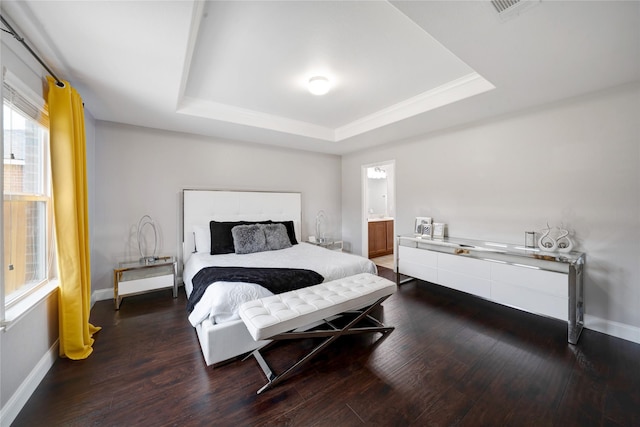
(378, 213)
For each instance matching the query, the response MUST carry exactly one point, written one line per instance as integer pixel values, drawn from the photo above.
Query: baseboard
(105, 294)
(101, 295)
(15, 404)
(616, 329)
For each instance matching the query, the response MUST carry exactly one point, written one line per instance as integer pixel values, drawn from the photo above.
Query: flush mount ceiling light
(318, 85)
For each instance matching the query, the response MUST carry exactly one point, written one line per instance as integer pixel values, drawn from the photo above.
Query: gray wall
(142, 171)
(575, 163)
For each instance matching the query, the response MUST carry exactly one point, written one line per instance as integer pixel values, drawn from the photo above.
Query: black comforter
(276, 280)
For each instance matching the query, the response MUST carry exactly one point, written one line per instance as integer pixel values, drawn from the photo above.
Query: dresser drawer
(465, 283)
(418, 256)
(466, 266)
(546, 282)
(530, 300)
(419, 271)
(142, 285)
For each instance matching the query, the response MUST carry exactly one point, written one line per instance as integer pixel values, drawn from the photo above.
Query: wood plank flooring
(453, 360)
(386, 261)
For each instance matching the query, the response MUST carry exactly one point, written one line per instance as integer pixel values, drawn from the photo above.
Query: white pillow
(202, 237)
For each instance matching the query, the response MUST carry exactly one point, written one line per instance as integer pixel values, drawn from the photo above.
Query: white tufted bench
(279, 316)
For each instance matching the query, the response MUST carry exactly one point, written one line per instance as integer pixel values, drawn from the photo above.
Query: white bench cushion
(269, 316)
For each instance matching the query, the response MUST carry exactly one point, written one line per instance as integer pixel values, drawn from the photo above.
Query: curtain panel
(69, 182)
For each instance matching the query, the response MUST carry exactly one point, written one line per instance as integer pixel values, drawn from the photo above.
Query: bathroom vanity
(381, 237)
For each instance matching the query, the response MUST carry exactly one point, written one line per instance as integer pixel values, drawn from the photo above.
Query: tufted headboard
(201, 206)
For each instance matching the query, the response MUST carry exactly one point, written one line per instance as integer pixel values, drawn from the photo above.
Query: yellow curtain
(69, 179)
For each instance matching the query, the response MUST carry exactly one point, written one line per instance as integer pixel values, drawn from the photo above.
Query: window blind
(21, 97)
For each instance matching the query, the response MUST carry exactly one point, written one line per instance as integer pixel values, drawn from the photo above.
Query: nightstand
(334, 245)
(136, 277)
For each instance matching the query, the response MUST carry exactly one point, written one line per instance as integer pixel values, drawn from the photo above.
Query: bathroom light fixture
(319, 85)
(376, 173)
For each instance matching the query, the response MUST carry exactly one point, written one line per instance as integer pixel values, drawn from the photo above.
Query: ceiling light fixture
(319, 85)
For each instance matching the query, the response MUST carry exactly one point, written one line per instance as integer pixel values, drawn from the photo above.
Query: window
(27, 212)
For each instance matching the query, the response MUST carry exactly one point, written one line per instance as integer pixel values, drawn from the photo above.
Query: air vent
(510, 8)
(502, 5)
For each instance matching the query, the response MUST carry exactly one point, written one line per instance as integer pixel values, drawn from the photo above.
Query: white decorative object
(320, 220)
(563, 242)
(546, 242)
(555, 239)
(144, 258)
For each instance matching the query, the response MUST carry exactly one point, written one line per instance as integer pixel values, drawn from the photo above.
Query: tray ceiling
(238, 70)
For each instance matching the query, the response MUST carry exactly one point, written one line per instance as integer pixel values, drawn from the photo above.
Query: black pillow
(291, 231)
(221, 237)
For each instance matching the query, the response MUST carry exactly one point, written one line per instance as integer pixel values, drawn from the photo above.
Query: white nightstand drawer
(147, 284)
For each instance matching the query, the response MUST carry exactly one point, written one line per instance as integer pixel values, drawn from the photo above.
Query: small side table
(334, 245)
(136, 277)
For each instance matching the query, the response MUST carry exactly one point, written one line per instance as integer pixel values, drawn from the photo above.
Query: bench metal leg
(331, 336)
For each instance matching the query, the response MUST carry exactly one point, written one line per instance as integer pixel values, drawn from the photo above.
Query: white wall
(575, 163)
(142, 171)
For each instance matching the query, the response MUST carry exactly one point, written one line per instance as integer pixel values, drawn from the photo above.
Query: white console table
(549, 284)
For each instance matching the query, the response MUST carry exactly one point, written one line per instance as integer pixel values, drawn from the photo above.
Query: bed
(221, 333)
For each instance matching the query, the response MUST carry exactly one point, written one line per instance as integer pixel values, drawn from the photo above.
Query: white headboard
(201, 206)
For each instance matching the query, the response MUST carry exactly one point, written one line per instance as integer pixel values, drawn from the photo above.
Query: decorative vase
(546, 242)
(563, 242)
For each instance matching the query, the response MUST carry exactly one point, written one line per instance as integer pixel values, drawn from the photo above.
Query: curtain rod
(15, 35)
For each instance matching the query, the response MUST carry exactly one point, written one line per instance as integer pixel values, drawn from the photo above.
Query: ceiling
(238, 70)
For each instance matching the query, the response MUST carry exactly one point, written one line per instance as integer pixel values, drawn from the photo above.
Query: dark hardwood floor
(452, 360)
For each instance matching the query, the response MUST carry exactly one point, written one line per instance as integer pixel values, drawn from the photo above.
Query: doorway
(379, 213)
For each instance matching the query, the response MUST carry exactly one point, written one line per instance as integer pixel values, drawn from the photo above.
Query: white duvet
(221, 300)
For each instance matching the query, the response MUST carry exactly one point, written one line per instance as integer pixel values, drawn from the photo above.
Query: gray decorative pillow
(276, 236)
(248, 239)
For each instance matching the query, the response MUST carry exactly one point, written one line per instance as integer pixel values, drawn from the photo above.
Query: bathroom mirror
(377, 188)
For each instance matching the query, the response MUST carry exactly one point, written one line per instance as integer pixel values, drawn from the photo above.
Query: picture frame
(439, 230)
(427, 230)
(419, 224)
